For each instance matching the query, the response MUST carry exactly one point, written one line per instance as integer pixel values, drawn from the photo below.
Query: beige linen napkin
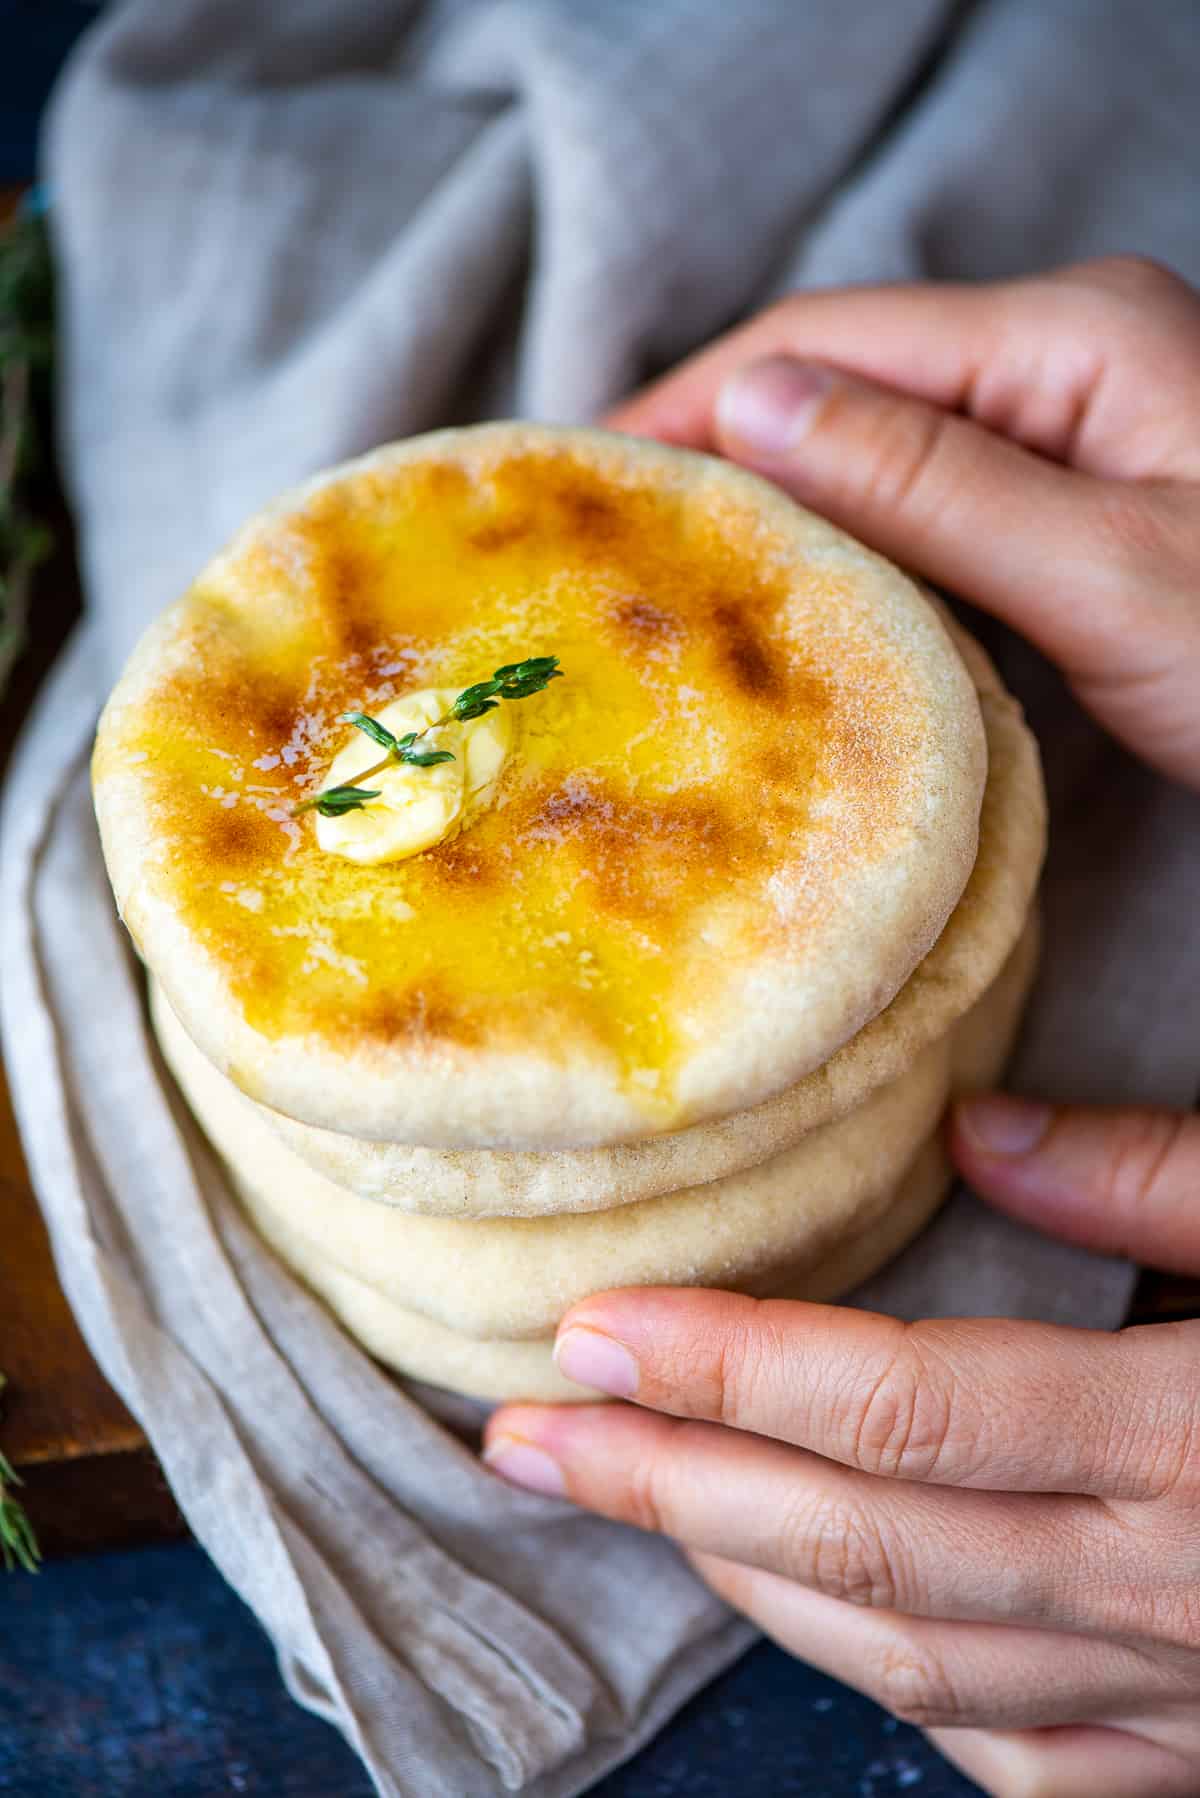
(289, 233)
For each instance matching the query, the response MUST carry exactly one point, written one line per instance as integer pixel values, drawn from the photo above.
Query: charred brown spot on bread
(349, 584)
(591, 519)
(243, 703)
(435, 482)
(646, 626)
(746, 653)
(463, 863)
(678, 572)
(345, 586)
(591, 515)
(685, 844)
(780, 763)
(495, 535)
(235, 836)
(219, 692)
(568, 810)
(420, 1014)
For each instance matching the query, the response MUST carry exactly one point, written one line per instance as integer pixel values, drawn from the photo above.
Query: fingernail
(521, 1464)
(595, 1360)
(767, 407)
(1002, 1125)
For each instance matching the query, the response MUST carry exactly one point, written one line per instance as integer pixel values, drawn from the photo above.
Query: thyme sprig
(18, 1544)
(516, 680)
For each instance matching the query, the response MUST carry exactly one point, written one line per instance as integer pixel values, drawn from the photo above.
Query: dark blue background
(135, 1673)
(35, 35)
(140, 1672)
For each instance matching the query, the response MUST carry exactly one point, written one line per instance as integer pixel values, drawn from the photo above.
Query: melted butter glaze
(650, 796)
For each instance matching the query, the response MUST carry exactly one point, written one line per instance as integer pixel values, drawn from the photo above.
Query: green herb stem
(18, 1543)
(516, 680)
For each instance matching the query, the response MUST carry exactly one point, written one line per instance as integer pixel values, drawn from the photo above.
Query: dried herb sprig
(26, 353)
(516, 680)
(18, 1544)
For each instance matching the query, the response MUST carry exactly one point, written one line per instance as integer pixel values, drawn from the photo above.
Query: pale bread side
(514, 1278)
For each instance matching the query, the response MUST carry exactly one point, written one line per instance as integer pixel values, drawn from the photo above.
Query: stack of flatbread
(681, 999)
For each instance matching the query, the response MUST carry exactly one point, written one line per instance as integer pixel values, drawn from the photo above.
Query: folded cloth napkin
(286, 234)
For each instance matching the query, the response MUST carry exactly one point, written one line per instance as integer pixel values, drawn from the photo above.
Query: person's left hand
(991, 1527)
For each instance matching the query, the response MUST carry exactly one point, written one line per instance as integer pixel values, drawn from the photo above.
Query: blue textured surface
(139, 1672)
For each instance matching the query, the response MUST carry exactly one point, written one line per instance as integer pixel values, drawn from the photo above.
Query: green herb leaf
(18, 1543)
(474, 703)
(426, 758)
(336, 800)
(470, 697)
(539, 669)
(516, 680)
(372, 728)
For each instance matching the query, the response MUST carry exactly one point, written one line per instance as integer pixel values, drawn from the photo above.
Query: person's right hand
(1033, 445)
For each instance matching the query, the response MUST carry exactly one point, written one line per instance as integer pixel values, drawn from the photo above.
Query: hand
(992, 1527)
(1034, 446)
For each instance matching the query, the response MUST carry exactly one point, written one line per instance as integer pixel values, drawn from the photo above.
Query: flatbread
(962, 963)
(725, 841)
(515, 1277)
(415, 1345)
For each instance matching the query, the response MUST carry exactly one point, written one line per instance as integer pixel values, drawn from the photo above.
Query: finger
(1125, 1182)
(1069, 1763)
(955, 1675)
(1097, 365)
(970, 1556)
(981, 1402)
(1044, 548)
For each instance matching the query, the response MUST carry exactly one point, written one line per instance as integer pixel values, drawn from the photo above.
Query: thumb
(942, 496)
(1125, 1182)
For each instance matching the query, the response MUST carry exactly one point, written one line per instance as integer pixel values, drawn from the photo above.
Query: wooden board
(90, 1478)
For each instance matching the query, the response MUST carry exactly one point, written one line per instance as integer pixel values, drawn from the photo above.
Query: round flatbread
(718, 848)
(515, 1277)
(962, 963)
(417, 1346)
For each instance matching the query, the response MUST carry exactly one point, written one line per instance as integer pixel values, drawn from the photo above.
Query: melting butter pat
(417, 807)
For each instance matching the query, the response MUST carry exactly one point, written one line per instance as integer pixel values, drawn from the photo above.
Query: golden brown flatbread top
(721, 845)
